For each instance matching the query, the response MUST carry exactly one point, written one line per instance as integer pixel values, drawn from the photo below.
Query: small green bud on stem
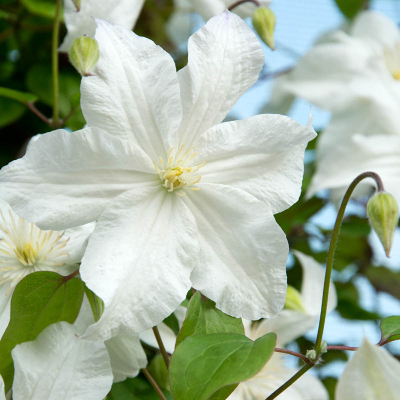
(84, 54)
(264, 23)
(383, 214)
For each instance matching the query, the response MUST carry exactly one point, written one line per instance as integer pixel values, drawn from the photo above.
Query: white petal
(134, 91)
(2, 394)
(372, 374)
(5, 300)
(288, 326)
(179, 27)
(225, 59)
(242, 264)
(78, 240)
(139, 260)
(262, 155)
(313, 284)
(208, 8)
(124, 13)
(58, 365)
(126, 355)
(67, 179)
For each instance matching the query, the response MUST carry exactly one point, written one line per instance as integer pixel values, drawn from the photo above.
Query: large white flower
(274, 374)
(181, 199)
(179, 25)
(78, 23)
(301, 315)
(2, 394)
(355, 67)
(24, 248)
(372, 374)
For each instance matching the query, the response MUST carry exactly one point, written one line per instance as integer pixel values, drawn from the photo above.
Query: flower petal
(78, 240)
(5, 301)
(262, 155)
(135, 90)
(225, 59)
(124, 13)
(127, 356)
(139, 260)
(242, 264)
(59, 365)
(371, 374)
(2, 394)
(67, 179)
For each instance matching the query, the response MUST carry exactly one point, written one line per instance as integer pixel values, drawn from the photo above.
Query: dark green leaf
(203, 317)
(350, 8)
(22, 97)
(42, 8)
(173, 323)
(39, 300)
(158, 371)
(384, 280)
(11, 111)
(96, 303)
(203, 364)
(390, 328)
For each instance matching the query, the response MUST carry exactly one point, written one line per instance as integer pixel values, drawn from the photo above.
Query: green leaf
(390, 328)
(203, 317)
(11, 111)
(350, 8)
(203, 364)
(39, 300)
(384, 280)
(22, 97)
(158, 371)
(42, 8)
(173, 323)
(96, 303)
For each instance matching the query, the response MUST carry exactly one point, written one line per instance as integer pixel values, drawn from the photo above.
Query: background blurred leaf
(22, 97)
(350, 8)
(11, 111)
(42, 8)
(390, 328)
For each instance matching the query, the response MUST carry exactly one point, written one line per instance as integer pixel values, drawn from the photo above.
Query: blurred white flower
(181, 199)
(179, 25)
(372, 374)
(2, 394)
(24, 248)
(78, 23)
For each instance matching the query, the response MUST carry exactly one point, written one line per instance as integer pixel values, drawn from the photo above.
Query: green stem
(54, 54)
(290, 382)
(332, 248)
(154, 384)
(161, 346)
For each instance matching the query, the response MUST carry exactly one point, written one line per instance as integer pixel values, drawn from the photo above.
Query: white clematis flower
(274, 374)
(356, 67)
(294, 322)
(24, 248)
(179, 25)
(372, 374)
(181, 199)
(2, 394)
(78, 23)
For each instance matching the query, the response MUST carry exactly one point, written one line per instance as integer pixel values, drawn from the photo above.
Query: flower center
(24, 248)
(179, 171)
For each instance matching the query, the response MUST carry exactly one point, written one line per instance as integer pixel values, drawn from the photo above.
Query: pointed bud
(264, 23)
(83, 54)
(383, 214)
(294, 301)
(77, 4)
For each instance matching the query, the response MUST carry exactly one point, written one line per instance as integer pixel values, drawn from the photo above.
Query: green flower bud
(77, 4)
(294, 301)
(264, 23)
(324, 347)
(311, 355)
(383, 214)
(83, 54)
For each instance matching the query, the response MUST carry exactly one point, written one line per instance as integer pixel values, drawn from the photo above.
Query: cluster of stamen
(24, 248)
(178, 172)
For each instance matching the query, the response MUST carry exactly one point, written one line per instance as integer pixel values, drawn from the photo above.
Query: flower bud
(77, 4)
(294, 301)
(83, 54)
(383, 214)
(311, 355)
(264, 23)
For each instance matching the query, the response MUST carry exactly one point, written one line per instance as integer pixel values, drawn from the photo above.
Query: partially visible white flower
(24, 248)
(179, 25)
(293, 323)
(372, 374)
(181, 199)
(2, 394)
(274, 374)
(78, 23)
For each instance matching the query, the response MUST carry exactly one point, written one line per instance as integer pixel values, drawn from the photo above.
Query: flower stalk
(161, 346)
(154, 384)
(54, 55)
(238, 3)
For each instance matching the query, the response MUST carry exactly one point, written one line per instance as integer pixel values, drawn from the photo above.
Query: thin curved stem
(154, 384)
(290, 382)
(238, 3)
(293, 353)
(54, 63)
(332, 248)
(161, 346)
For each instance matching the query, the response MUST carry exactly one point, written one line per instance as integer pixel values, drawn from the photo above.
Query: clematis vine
(80, 22)
(24, 248)
(371, 374)
(181, 200)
